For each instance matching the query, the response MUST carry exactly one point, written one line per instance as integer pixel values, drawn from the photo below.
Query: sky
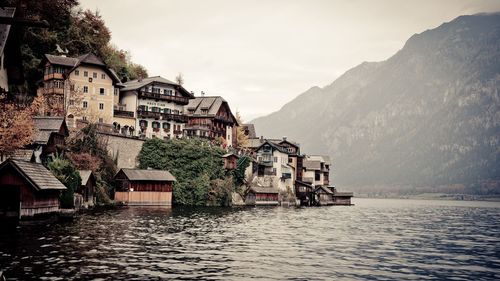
(260, 54)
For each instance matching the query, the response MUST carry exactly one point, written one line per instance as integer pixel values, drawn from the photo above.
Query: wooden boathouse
(262, 196)
(323, 196)
(341, 198)
(85, 196)
(144, 187)
(27, 189)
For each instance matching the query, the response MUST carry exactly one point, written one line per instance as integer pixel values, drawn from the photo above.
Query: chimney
(284, 138)
(140, 78)
(202, 93)
(261, 138)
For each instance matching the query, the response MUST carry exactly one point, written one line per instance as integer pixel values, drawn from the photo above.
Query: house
(27, 189)
(273, 167)
(304, 193)
(316, 170)
(230, 161)
(50, 135)
(249, 130)
(323, 196)
(151, 107)
(262, 196)
(86, 191)
(79, 88)
(211, 117)
(341, 198)
(144, 187)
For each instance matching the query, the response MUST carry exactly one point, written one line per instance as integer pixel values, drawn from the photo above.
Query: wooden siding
(144, 198)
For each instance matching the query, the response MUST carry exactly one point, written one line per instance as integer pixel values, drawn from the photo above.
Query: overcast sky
(259, 55)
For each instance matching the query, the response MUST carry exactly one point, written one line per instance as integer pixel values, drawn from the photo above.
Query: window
(317, 176)
(85, 104)
(85, 89)
(101, 106)
(166, 126)
(84, 118)
(101, 91)
(116, 92)
(143, 124)
(94, 74)
(167, 92)
(101, 120)
(85, 74)
(71, 102)
(103, 76)
(204, 111)
(77, 72)
(275, 159)
(290, 160)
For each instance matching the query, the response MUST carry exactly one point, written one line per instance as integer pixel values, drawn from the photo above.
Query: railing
(53, 76)
(164, 116)
(177, 132)
(158, 96)
(123, 113)
(223, 119)
(51, 90)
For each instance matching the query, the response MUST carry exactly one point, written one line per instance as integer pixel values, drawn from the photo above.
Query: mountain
(427, 116)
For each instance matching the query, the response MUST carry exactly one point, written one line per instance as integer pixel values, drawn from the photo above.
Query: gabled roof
(23, 154)
(311, 164)
(147, 175)
(89, 59)
(35, 174)
(211, 104)
(139, 83)
(260, 189)
(321, 158)
(251, 130)
(273, 145)
(46, 125)
(320, 187)
(86, 175)
(7, 12)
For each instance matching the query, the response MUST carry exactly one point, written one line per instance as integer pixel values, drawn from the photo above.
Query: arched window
(143, 124)
(166, 126)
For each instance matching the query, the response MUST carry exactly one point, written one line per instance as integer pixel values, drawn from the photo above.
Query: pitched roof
(5, 28)
(88, 58)
(139, 83)
(260, 189)
(327, 190)
(45, 126)
(311, 164)
(148, 175)
(321, 158)
(251, 130)
(272, 144)
(85, 175)
(212, 104)
(61, 60)
(23, 154)
(36, 174)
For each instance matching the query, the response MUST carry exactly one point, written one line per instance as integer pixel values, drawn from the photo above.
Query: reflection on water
(375, 240)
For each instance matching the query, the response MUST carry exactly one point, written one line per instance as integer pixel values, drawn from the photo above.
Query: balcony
(49, 91)
(53, 76)
(224, 119)
(158, 96)
(123, 113)
(174, 117)
(148, 114)
(177, 132)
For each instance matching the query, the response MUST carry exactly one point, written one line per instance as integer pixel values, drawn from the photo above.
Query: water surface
(378, 239)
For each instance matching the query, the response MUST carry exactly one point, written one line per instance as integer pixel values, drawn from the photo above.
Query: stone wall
(125, 148)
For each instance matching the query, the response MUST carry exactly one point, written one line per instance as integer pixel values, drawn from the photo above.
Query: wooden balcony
(50, 91)
(119, 111)
(224, 119)
(157, 96)
(53, 76)
(163, 116)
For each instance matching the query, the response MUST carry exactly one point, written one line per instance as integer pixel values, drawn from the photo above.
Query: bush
(195, 163)
(64, 170)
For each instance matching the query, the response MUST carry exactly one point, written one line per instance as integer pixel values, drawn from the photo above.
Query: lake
(377, 239)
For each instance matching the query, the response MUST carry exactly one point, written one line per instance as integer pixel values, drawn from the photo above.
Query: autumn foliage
(16, 125)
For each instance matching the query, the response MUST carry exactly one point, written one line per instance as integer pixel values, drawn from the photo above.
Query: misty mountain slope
(428, 115)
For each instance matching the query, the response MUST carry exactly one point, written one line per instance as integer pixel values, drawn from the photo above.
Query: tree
(241, 137)
(196, 164)
(180, 79)
(66, 172)
(16, 125)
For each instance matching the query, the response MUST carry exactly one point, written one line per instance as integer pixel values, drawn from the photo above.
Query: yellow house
(81, 88)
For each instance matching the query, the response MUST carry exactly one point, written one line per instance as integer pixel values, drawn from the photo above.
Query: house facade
(151, 107)
(273, 167)
(27, 189)
(80, 88)
(144, 187)
(316, 170)
(211, 117)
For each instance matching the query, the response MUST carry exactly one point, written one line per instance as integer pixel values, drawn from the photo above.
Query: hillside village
(79, 93)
